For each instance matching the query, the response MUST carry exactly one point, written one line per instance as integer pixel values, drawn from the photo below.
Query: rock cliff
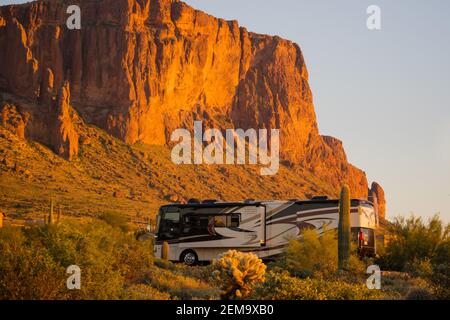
(141, 68)
(377, 192)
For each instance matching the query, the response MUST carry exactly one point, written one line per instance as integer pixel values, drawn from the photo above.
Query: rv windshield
(169, 226)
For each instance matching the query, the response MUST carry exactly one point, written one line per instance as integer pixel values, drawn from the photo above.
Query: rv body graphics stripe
(309, 213)
(230, 210)
(305, 212)
(281, 233)
(284, 222)
(278, 209)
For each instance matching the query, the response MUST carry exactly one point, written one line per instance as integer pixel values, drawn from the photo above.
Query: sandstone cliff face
(377, 192)
(65, 136)
(13, 120)
(142, 68)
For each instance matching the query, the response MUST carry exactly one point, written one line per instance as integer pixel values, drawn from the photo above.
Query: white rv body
(263, 227)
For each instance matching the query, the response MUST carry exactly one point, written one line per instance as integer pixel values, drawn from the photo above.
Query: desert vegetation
(420, 250)
(238, 273)
(115, 265)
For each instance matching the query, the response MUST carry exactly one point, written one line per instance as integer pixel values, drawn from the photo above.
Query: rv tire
(189, 258)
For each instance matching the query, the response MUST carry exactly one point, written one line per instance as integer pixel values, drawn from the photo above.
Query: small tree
(238, 272)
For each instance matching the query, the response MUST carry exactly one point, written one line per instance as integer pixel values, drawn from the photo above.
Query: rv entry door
(262, 227)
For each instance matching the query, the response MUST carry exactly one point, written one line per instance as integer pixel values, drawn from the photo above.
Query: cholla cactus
(238, 272)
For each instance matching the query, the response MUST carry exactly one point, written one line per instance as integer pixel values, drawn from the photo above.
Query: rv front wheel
(189, 258)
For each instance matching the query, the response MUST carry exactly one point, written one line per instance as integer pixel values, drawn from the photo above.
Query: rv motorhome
(201, 231)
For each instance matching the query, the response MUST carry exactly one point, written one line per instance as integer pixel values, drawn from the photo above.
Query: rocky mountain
(138, 69)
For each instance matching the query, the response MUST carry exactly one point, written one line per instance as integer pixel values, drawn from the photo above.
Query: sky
(385, 93)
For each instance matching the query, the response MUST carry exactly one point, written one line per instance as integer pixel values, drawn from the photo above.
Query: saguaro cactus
(165, 251)
(344, 228)
(51, 216)
(58, 216)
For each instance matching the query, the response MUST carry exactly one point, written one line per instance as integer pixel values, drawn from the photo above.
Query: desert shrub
(203, 273)
(442, 254)
(421, 249)
(26, 271)
(440, 279)
(400, 284)
(419, 294)
(144, 292)
(238, 273)
(280, 285)
(316, 255)
(312, 254)
(116, 220)
(356, 270)
(108, 259)
(419, 268)
(179, 286)
(107, 256)
(165, 264)
(414, 241)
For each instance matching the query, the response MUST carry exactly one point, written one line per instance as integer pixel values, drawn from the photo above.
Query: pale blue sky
(385, 93)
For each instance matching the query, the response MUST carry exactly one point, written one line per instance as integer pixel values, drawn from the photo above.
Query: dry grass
(179, 285)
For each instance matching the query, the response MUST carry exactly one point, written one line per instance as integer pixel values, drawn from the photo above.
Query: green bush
(419, 294)
(311, 255)
(316, 255)
(422, 250)
(419, 268)
(116, 220)
(280, 285)
(34, 260)
(414, 241)
(27, 271)
(440, 279)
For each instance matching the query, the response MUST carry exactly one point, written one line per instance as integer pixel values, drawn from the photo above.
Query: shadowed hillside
(134, 180)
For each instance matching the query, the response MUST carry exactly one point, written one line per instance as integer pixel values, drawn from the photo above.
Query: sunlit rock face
(377, 192)
(142, 68)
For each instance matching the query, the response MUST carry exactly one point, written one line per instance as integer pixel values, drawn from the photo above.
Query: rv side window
(203, 224)
(227, 221)
(195, 225)
(234, 220)
(220, 221)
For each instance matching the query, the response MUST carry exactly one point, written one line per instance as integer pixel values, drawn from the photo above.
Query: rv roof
(215, 204)
(256, 203)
